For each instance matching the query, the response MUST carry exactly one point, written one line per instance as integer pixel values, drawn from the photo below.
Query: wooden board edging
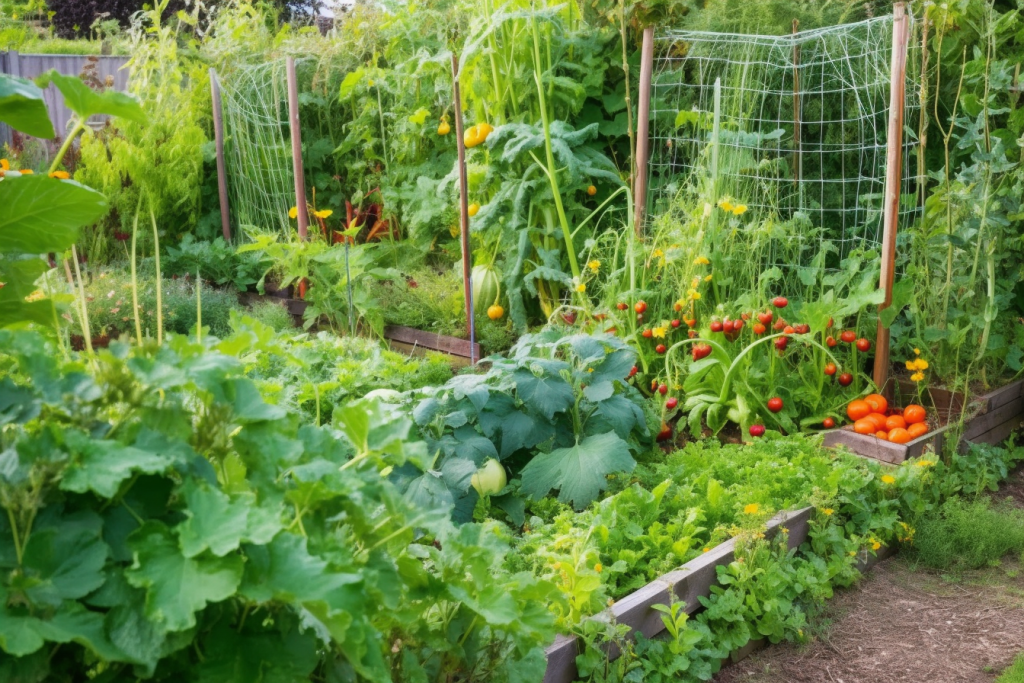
(418, 339)
(688, 583)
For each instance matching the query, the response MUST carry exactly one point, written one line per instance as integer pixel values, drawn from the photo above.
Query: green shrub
(272, 314)
(963, 535)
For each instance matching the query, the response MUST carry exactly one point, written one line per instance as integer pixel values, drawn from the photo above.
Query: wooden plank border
(418, 339)
(688, 583)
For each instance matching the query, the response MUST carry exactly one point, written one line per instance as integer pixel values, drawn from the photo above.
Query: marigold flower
(594, 265)
(725, 205)
(60, 175)
(695, 283)
(751, 509)
(657, 253)
(598, 567)
(701, 261)
(739, 209)
(707, 278)
(706, 550)
(293, 212)
(924, 463)
(694, 294)
(581, 288)
(658, 332)
(323, 213)
(917, 377)
(917, 352)
(27, 171)
(828, 512)
(875, 545)
(5, 165)
(888, 479)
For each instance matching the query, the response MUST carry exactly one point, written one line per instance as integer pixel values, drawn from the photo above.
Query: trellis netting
(792, 128)
(259, 153)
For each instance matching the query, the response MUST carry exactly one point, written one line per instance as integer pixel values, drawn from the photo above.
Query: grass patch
(1015, 674)
(963, 535)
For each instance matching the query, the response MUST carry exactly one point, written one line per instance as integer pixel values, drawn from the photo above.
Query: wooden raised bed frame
(990, 419)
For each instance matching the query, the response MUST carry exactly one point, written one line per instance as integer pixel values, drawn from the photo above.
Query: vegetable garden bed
(992, 417)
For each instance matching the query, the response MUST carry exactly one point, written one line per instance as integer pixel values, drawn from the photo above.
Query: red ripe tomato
(675, 323)
(858, 410)
(863, 345)
(829, 326)
(765, 318)
(662, 389)
(864, 426)
(831, 342)
(640, 306)
(621, 306)
(672, 402)
(780, 302)
(914, 414)
(781, 342)
(717, 326)
(759, 328)
(756, 430)
(660, 348)
(845, 379)
(745, 316)
(646, 334)
(666, 432)
(727, 326)
(830, 369)
(828, 423)
(775, 404)
(701, 351)
(899, 435)
(632, 371)
(779, 324)
(737, 325)
(848, 336)
(788, 329)
(802, 328)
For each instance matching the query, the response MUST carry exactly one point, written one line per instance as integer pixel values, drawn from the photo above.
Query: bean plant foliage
(163, 521)
(557, 412)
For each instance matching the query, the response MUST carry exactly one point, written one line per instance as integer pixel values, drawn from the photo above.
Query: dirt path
(913, 626)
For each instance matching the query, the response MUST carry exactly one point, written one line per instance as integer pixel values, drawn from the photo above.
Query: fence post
(643, 120)
(467, 284)
(293, 124)
(893, 179)
(218, 136)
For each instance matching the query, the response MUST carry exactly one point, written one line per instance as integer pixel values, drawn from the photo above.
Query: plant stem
(135, 279)
(159, 284)
(79, 127)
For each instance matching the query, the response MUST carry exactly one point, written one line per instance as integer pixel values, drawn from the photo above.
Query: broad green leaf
(494, 604)
(220, 523)
(101, 465)
(43, 214)
(176, 586)
(545, 394)
(22, 107)
(86, 102)
(285, 570)
(579, 472)
(65, 561)
(419, 116)
(21, 635)
(267, 656)
(249, 404)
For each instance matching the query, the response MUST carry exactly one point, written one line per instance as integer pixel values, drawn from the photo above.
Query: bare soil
(905, 624)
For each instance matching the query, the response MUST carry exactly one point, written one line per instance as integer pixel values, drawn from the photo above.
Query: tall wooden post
(893, 181)
(222, 174)
(467, 284)
(643, 120)
(293, 124)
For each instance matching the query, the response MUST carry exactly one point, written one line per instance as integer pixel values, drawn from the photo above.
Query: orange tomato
(917, 429)
(914, 414)
(857, 409)
(864, 426)
(895, 421)
(899, 435)
(878, 419)
(881, 434)
(877, 402)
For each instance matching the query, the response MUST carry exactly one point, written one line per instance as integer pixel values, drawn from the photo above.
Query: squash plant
(558, 413)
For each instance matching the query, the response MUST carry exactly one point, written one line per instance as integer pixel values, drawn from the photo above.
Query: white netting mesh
(802, 127)
(259, 153)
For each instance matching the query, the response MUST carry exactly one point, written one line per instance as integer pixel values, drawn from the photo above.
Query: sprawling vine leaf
(579, 472)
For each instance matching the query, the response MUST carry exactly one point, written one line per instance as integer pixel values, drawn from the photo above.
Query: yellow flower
(293, 212)
(707, 278)
(323, 213)
(917, 376)
(706, 550)
(751, 509)
(657, 253)
(739, 209)
(658, 332)
(594, 265)
(828, 512)
(695, 282)
(917, 352)
(611, 602)
(694, 294)
(35, 296)
(725, 205)
(61, 175)
(922, 364)
(27, 171)
(701, 261)
(853, 553)
(875, 545)
(888, 479)
(5, 165)
(581, 288)
(598, 567)
(924, 463)
(556, 566)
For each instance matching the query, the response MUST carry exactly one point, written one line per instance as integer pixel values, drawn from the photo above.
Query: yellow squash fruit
(473, 208)
(444, 128)
(495, 312)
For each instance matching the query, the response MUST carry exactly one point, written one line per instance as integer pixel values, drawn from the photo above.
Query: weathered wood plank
(998, 434)
(431, 341)
(870, 446)
(688, 584)
(993, 418)
(1003, 395)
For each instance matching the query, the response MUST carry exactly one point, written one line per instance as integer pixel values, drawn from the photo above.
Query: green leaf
(494, 603)
(545, 394)
(264, 657)
(578, 472)
(177, 586)
(43, 214)
(86, 102)
(101, 465)
(22, 107)
(22, 635)
(65, 561)
(220, 523)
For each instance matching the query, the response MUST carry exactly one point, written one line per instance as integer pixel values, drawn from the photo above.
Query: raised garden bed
(989, 419)
(416, 342)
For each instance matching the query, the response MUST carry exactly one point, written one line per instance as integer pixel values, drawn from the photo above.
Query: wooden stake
(218, 136)
(467, 285)
(293, 123)
(893, 181)
(643, 119)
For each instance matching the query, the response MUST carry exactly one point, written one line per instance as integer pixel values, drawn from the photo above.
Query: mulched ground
(907, 625)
